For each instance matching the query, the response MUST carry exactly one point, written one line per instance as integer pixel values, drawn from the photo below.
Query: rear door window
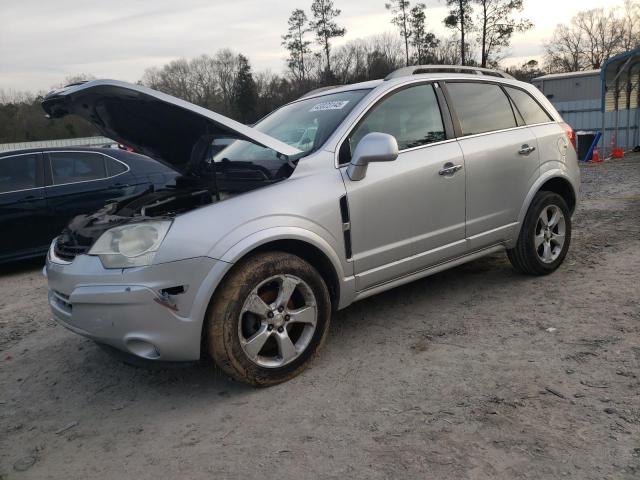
(114, 167)
(411, 115)
(18, 172)
(72, 167)
(530, 110)
(481, 107)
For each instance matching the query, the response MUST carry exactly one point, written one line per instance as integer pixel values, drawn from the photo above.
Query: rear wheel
(268, 319)
(544, 237)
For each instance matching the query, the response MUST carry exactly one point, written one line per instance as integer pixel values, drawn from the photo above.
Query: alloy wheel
(550, 233)
(277, 321)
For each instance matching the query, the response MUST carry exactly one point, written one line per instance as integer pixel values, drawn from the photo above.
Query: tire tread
(521, 257)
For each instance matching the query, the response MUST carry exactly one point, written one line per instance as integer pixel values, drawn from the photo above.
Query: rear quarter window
(72, 167)
(481, 107)
(530, 110)
(114, 167)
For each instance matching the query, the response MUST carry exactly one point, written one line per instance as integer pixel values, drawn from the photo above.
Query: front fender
(226, 260)
(262, 237)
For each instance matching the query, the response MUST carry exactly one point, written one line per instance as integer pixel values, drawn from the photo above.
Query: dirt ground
(477, 372)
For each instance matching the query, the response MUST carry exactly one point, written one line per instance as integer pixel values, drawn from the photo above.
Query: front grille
(68, 252)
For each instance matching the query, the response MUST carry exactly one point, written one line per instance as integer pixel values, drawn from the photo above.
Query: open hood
(163, 127)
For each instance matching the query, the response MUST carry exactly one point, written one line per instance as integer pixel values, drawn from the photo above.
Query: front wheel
(544, 237)
(268, 319)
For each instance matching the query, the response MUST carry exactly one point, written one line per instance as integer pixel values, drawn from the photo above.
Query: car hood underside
(165, 128)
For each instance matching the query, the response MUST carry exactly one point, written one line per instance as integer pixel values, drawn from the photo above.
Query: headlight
(132, 245)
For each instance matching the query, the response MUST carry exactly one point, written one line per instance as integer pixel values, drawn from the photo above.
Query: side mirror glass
(374, 147)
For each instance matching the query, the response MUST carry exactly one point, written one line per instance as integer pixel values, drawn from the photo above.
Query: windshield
(305, 124)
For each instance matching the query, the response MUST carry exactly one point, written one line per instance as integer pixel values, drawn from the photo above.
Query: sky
(43, 41)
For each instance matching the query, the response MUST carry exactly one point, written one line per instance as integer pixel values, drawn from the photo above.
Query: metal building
(603, 100)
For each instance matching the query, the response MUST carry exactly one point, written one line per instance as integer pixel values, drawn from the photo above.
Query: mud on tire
(251, 305)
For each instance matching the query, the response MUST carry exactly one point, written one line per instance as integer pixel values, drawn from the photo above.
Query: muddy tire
(544, 237)
(268, 319)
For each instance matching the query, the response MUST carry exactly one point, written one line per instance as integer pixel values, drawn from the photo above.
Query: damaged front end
(151, 206)
(173, 132)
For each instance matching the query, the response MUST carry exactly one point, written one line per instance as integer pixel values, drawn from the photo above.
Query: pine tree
(400, 10)
(325, 28)
(423, 42)
(459, 18)
(295, 43)
(245, 94)
(497, 26)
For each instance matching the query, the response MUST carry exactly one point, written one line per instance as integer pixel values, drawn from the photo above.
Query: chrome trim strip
(420, 147)
(464, 137)
(24, 190)
(48, 160)
(21, 154)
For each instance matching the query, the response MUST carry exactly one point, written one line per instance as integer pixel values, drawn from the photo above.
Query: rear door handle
(449, 169)
(526, 149)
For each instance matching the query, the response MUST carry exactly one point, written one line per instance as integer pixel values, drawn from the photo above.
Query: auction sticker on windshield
(335, 105)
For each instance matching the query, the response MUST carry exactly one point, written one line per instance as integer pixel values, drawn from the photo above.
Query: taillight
(571, 135)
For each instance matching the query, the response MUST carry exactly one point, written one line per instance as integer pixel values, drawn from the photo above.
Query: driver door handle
(526, 149)
(449, 169)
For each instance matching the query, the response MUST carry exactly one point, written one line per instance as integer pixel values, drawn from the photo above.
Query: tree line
(480, 33)
(593, 36)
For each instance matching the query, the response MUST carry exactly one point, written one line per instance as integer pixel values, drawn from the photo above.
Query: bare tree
(325, 27)
(368, 58)
(527, 71)
(226, 63)
(447, 52)
(75, 78)
(296, 44)
(401, 19)
(603, 34)
(631, 25)
(497, 26)
(423, 42)
(590, 38)
(172, 78)
(564, 52)
(15, 96)
(203, 81)
(459, 18)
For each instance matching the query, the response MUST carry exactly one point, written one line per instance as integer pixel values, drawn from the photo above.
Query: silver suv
(335, 197)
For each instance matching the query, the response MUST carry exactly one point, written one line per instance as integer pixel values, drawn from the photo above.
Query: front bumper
(129, 309)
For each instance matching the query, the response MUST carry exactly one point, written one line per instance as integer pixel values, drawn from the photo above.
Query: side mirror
(374, 147)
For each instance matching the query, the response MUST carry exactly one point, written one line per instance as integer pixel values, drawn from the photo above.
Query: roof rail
(318, 90)
(417, 69)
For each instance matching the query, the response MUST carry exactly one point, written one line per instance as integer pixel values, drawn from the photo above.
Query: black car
(41, 190)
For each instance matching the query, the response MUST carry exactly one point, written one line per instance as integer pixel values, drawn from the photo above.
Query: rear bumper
(128, 310)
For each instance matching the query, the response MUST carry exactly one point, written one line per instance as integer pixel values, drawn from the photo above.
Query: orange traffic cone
(595, 157)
